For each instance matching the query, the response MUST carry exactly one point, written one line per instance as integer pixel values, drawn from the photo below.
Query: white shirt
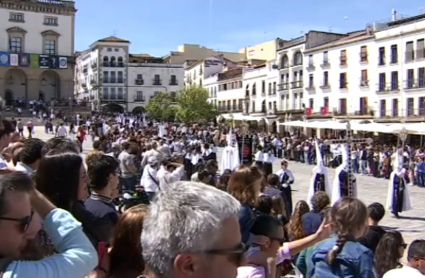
(166, 178)
(405, 271)
(62, 131)
(147, 182)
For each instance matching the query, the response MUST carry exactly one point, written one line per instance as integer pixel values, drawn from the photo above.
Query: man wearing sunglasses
(21, 207)
(272, 231)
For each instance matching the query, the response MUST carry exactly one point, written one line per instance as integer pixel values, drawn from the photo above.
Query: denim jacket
(76, 258)
(246, 220)
(354, 261)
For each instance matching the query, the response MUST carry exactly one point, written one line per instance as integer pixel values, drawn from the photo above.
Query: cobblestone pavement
(370, 189)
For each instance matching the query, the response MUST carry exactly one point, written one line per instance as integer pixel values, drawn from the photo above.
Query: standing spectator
(30, 127)
(375, 232)
(30, 156)
(389, 252)
(415, 267)
(127, 167)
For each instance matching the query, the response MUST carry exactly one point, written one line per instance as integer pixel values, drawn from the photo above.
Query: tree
(160, 107)
(193, 105)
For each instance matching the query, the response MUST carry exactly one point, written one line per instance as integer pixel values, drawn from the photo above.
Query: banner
(245, 145)
(4, 59)
(53, 62)
(14, 59)
(34, 60)
(43, 61)
(63, 62)
(24, 59)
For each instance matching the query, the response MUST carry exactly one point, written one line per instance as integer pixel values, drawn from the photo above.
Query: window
(173, 80)
(16, 17)
(310, 60)
(395, 107)
(410, 79)
(364, 82)
(298, 58)
(383, 108)
(421, 77)
(394, 80)
(139, 77)
(113, 61)
(343, 58)
(363, 53)
(113, 94)
(343, 80)
(274, 87)
(421, 106)
(139, 96)
(326, 102)
(120, 94)
(325, 58)
(381, 60)
(270, 88)
(50, 47)
(51, 21)
(284, 62)
(120, 62)
(105, 93)
(105, 77)
(382, 81)
(120, 77)
(15, 45)
(410, 105)
(254, 91)
(311, 103)
(420, 49)
(116, 50)
(310, 81)
(410, 55)
(157, 80)
(109, 49)
(394, 54)
(325, 78)
(263, 87)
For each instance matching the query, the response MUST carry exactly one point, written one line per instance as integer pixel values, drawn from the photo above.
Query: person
(5, 134)
(21, 205)
(415, 267)
(375, 232)
(61, 131)
(342, 186)
(389, 252)
(230, 157)
(319, 180)
(312, 220)
(30, 156)
(149, 179)
(286, 179)
(268, 159)
(341, 255)
(172, 170)
(258, 157)
(272, 187)
(128, 169)
(398, 196)
(192, 230)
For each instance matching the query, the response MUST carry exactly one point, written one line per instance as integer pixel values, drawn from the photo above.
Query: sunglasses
(236, 254)
(24, 222)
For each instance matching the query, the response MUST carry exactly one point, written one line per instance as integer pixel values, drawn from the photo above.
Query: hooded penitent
(319, 179)
(398, 195)
(340, 185)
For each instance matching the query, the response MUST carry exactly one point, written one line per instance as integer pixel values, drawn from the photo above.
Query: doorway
(8, 97)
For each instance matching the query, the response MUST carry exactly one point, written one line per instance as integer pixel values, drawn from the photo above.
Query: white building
(36, 50)
(196, 72)
(110, 77)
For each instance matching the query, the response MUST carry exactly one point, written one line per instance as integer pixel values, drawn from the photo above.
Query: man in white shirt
(415, 267)
(61, 132)
(149, 178)
(171, 172)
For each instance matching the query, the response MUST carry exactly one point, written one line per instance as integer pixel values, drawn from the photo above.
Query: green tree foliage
(160, 107)
(193, 105)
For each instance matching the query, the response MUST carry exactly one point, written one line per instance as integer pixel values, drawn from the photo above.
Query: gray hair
(185, 218)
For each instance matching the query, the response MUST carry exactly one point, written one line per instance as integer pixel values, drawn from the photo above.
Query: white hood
(320, 168)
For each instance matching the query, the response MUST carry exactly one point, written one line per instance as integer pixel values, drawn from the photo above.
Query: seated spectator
(312, 220)
(103, 172)
(415, 267)
(18, 199)
(375, 232)
(186, 222)
(30, 156)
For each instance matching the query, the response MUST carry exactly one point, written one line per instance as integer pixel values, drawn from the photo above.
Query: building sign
(33, 60)
(4, 59)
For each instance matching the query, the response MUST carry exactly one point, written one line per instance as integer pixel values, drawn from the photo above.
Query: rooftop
(348, 38)
(110, 38)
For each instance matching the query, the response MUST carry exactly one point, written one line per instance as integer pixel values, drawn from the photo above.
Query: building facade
(109, 76)
(36, 50)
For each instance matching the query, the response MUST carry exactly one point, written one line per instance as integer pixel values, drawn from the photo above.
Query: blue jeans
(363, 164)
(421, 179)
(129, 184)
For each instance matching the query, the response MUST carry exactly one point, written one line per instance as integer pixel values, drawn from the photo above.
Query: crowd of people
(61, 216)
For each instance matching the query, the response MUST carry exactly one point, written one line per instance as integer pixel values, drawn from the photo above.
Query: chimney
(394, 14)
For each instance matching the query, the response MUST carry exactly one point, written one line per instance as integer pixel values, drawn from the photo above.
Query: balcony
(139, 82)
(94, 65)
(414, 84)
(325, 86)
(364, 84)
(311, 66)
(325, 64)
(396, 114)
(296, 85)
(381, 61)
(342, 61)
(420, 54)
(363, 58)
(283, 87)
(387, 88)
(230, 108)
(109, 80)
(173, 82)
(310, 87)
(156, 82)
(139, 99)
(120, 65)
(105, 64)
(409, 56)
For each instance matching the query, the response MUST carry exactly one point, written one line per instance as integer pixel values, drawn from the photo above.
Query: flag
(53, 62)
(43, 61)
(4, 59)
(34, 58)
(14, 59)
(63, 62)
(24, 59)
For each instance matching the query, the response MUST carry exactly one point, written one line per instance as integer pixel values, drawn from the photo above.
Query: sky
(157, 27)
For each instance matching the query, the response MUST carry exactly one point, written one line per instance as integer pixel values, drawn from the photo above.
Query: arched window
(284, 62)
(120, 62)
(298, 58)
(105, 61)
(254, 91)
(113, 61)
(247, 91)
